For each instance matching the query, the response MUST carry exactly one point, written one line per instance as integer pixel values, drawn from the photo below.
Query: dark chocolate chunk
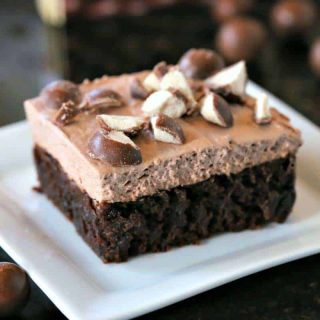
(293, 17)
(114, 148)
(241, 38)
(58, 92)
(14, 288)
(200, 63)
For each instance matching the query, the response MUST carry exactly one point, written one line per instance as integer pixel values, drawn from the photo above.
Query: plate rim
(71, 312)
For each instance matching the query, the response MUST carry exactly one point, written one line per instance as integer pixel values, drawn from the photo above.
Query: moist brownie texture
(147, 161)
(182, 215)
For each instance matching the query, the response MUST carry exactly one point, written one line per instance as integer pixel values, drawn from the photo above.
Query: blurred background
(43, 40)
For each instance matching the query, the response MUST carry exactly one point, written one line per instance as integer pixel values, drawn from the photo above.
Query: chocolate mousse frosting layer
(208, 149)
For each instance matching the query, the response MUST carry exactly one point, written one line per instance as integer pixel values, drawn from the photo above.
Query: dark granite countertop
(290, 291)
(287, 292)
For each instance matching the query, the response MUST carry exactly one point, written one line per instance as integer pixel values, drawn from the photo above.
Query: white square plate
(40, 239)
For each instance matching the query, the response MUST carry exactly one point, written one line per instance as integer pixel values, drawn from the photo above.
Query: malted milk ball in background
(293, 17)
(241, 38)
(222, 10)
(314, 57)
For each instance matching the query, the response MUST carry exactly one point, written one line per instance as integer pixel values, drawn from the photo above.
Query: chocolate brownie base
(183, 215)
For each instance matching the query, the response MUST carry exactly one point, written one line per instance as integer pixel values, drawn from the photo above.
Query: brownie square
(148, 161)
